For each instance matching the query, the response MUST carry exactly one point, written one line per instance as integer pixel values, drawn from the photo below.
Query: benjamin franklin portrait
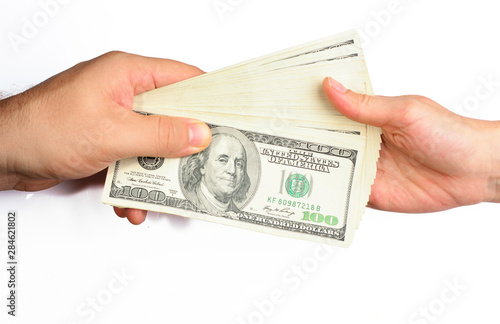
(215, 180)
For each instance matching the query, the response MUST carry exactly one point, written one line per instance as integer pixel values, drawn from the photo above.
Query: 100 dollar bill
(282, 185)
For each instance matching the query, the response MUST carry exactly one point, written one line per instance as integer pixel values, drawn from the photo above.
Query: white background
(177, 270)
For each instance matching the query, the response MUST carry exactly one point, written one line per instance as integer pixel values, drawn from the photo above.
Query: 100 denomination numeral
(319, 218)
(141, 193)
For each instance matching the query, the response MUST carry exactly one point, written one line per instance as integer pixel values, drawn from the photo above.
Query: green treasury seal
(297, 185)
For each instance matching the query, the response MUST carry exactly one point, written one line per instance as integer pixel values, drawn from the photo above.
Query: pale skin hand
(431, 159)
(78, 122)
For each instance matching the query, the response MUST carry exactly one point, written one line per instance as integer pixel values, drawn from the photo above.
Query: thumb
(159, 136)
(373, 110)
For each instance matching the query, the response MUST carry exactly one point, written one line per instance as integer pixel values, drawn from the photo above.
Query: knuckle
(410, 106)
(114, 54)
(364, 100)
(118, 58)
(411, 101)
(416, 105)
(416, 101)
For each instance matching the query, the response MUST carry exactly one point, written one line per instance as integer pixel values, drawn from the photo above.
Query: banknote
(295, 184)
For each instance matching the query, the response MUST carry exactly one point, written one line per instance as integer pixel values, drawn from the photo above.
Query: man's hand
(78, 122)
(431, 159)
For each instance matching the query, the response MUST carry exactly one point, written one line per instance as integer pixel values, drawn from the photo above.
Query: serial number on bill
(293, 203)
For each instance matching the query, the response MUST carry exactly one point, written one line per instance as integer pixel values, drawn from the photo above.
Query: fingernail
(199, 134)
(336, 85)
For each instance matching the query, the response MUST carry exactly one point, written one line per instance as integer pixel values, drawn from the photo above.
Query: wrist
(495, 164)
(10, 110)
(484, 157)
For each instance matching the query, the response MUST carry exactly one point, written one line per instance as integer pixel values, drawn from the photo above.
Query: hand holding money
(431, 159)
(78, 122)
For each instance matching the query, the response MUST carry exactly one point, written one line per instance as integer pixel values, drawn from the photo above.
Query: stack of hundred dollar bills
(282, 160)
